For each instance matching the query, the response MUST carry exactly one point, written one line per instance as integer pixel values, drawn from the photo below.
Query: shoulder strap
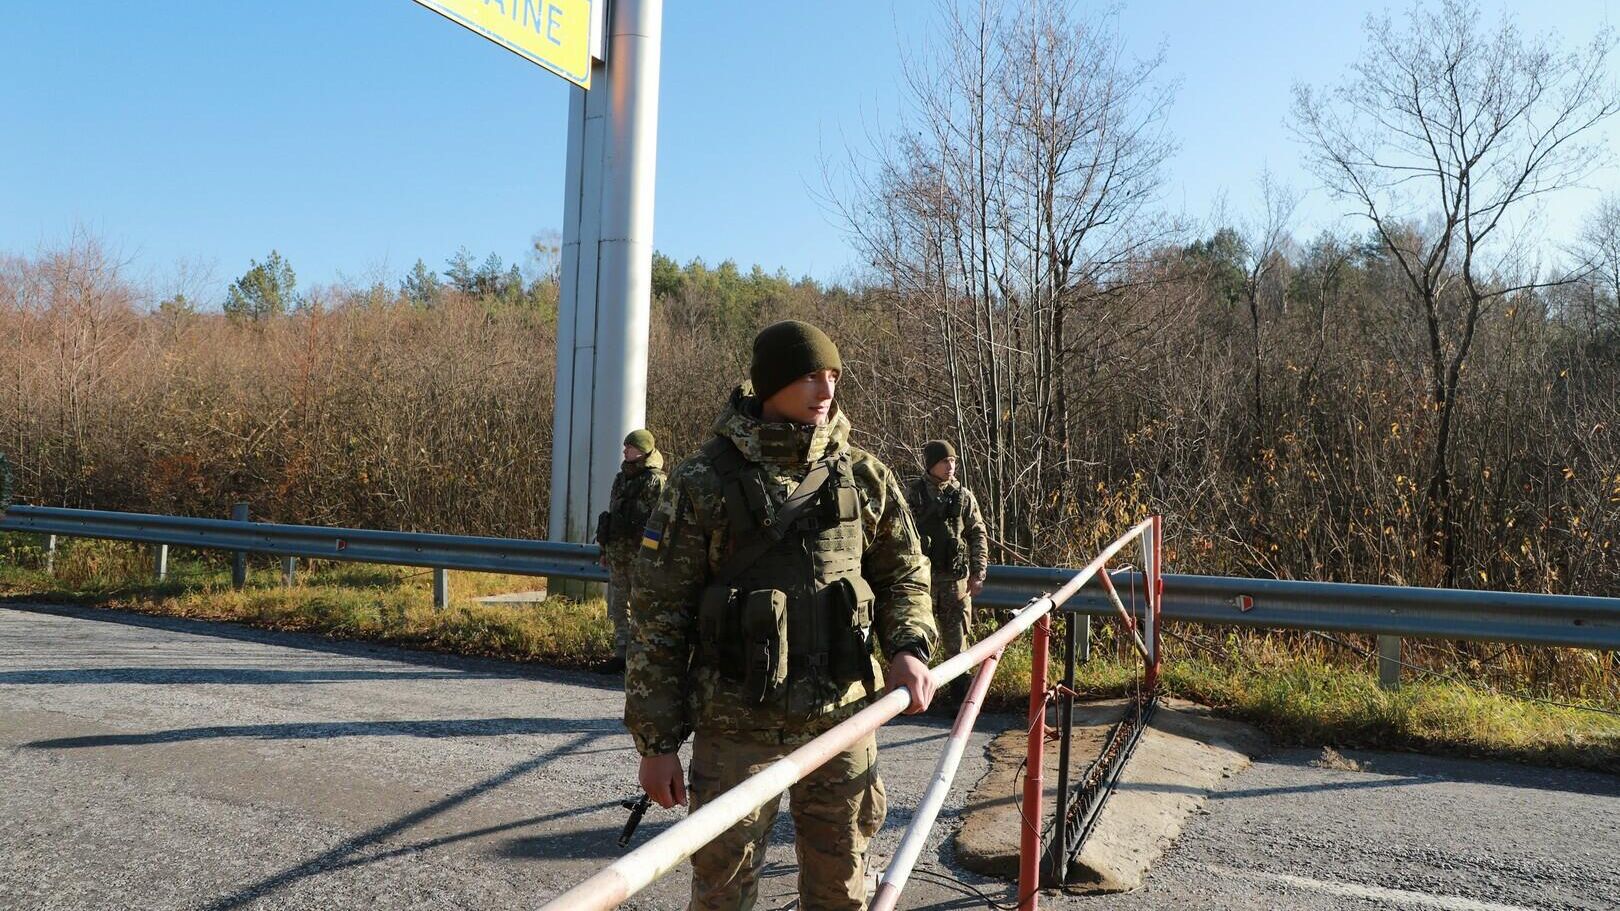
(744, 497)
(775, 526)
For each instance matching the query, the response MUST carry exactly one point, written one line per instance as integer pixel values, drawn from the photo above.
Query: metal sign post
(604, 308)
(604, 311)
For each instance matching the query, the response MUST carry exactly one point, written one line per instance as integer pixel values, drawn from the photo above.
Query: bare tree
(1599, 251)
(1263, 245)
(1010, 216)
(1444, 137)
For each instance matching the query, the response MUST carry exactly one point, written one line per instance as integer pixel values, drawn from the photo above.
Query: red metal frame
(1029, 842)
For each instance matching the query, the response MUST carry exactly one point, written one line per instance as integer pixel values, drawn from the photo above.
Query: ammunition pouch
(604, 528)
(743, 635)
(765, 643)
(849, 612)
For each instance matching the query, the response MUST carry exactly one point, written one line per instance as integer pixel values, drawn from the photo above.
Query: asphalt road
(174, 764)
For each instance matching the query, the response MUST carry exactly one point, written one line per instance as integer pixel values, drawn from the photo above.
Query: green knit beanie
(785, 351)
(642, 440)
(935, 451)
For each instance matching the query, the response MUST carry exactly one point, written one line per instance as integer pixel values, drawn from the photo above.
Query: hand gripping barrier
(641, 867)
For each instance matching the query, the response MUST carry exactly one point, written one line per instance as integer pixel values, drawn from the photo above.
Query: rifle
(637, 808)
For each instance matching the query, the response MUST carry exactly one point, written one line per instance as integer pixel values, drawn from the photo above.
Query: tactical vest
(790, 631)
(941, 524)
(625, 515)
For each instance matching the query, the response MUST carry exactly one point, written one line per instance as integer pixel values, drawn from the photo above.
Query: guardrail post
(441, 589)
(1389, 662)
(289, 571)
(50, 555)
(239, 513)
(160, 561)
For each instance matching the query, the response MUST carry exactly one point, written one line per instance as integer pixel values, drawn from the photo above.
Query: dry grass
(1333, 759)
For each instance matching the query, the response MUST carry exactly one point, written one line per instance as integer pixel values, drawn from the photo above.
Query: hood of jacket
(783, 444)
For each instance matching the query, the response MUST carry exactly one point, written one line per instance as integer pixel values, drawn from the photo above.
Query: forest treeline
(387, 413)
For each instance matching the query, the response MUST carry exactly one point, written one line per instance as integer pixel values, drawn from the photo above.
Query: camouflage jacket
(636, 489)
(969, 553)
(668, 691)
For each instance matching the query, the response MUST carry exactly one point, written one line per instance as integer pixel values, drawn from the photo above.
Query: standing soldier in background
(636, 489)
(776, 558)
(955, 541)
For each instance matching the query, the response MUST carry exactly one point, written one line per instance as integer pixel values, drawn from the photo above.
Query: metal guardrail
(1389, 610)
(358, 545)
(1564, 620)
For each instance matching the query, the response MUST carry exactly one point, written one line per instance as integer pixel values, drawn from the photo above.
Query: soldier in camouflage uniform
(954, 539)
(618, 530)
(756, 636)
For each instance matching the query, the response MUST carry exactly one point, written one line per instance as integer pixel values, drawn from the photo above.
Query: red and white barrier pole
(911, 845)
(636, 870)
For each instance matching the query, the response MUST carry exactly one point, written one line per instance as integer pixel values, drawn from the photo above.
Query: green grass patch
(1299, 696)
(1310, 702)
(372, 603)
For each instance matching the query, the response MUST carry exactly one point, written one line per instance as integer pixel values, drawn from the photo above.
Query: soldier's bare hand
(975, 585)
(663, 779)
(909, 671)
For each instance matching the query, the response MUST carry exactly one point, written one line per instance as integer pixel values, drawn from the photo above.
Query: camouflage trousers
(953, 614)
(836, 811)
(618, 604)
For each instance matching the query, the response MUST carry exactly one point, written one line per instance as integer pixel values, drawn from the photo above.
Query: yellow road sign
(553, 33)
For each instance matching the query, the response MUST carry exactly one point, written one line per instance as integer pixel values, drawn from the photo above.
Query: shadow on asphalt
(355, 851)
(244, 676)
(1409, 769)
(484, 667)
(585, 844)
(321, 730)
(1381, 782)
(443, 840)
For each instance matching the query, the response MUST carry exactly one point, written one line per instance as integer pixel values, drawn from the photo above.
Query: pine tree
(265, 290)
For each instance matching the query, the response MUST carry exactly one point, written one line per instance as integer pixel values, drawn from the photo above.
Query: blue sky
(356, 137)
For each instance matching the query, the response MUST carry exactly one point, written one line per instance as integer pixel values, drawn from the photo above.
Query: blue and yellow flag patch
(651, 538)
